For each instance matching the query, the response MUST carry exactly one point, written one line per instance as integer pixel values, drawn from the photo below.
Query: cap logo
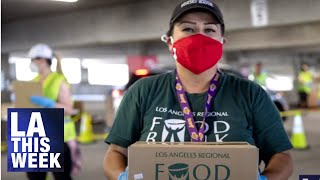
(195, 2)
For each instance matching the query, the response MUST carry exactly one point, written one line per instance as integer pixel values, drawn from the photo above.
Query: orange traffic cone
(86, 132)
(298, 138)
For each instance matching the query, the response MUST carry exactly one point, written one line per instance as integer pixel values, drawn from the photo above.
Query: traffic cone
(298, 137)
(3, 146)
(86, 132)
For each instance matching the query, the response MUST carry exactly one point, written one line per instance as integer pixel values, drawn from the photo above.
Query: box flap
(193, 144)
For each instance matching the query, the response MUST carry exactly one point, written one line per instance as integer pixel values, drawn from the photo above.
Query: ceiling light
(71, 1)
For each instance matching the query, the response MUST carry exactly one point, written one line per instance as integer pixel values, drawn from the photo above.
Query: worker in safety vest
(305, 79)
(56, 94)
(260, 76)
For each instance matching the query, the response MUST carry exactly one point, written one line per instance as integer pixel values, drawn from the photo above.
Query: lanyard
(185, 107)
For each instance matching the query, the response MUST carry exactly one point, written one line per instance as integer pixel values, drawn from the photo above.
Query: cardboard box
(192, 161)
(23, 91)
(313, 96)
(4, 110)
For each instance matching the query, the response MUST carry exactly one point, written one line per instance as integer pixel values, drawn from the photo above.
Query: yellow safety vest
(305, 81)
(50, 88)
(261, 78)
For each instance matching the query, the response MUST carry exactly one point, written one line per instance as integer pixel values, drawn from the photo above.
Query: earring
(164, 38)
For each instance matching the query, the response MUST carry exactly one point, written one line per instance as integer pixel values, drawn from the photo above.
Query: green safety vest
(305, 81)
(50, 88)
(261, 78)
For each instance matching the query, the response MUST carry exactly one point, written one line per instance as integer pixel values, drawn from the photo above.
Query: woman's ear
(224, 40)
(168, 41)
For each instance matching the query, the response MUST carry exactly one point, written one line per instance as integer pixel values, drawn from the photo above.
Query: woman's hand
(42, 101)
(262, 177)
(123, 175)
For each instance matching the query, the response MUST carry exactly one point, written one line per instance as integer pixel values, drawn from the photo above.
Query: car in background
(117, 94)
(279, 101)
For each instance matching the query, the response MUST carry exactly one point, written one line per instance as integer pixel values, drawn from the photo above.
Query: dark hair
(49, 62)
(171, 26)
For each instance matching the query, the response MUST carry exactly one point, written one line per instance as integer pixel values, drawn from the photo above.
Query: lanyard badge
(196, 136)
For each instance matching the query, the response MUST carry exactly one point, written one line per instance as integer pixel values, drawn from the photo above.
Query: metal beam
(297, 36)
(148, 20)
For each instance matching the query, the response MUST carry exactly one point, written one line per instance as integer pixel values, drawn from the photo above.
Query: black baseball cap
(188, 5)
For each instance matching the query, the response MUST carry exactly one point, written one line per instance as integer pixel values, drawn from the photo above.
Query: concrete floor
(306, 161)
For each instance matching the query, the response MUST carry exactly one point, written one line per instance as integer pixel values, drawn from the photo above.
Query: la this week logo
(35, 139)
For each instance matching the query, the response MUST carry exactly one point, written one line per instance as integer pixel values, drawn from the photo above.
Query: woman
(241, 110)
(57, 94)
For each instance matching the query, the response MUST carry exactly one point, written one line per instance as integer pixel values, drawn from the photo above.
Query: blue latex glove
(262, 177)
(123, 175)
(43, 101)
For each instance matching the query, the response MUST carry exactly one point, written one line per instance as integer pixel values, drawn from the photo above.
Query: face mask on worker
(34, 68)
(197, 53)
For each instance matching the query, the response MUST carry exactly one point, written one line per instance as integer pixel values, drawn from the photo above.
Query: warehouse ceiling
(14, 10)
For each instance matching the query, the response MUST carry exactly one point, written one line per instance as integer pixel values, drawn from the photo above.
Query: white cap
(41, 51)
